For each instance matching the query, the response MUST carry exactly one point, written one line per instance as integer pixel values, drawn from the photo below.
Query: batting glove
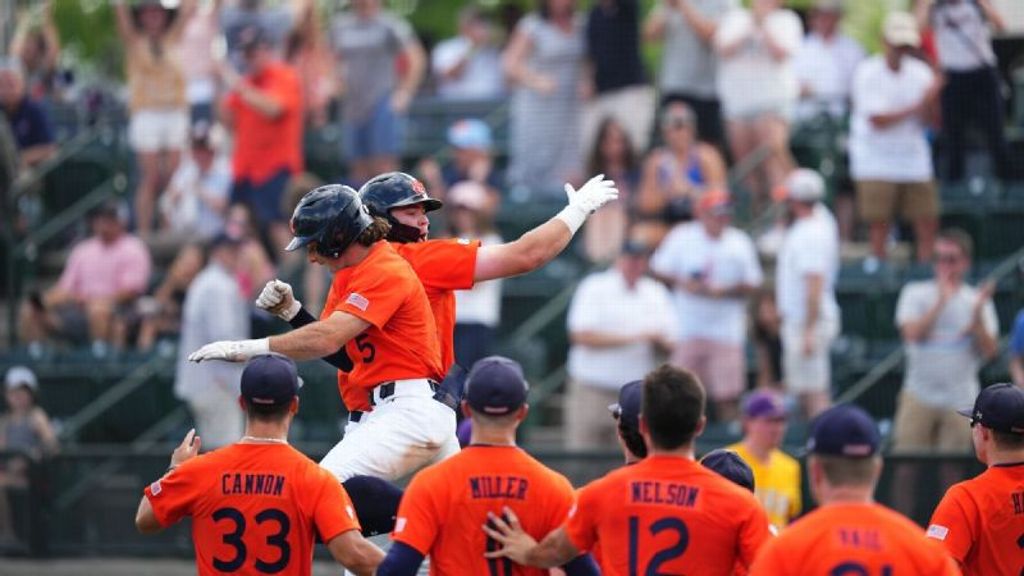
(583, 202)
(278, 299)
(231, 350)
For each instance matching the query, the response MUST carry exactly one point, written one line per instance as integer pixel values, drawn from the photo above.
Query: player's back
(253, 508)
(852, 539)
(981, 522)
(446, 504)
(668, 515)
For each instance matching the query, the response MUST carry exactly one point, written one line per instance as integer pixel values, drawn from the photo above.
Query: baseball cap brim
(429, 204)
(966, 412)
(298, 242)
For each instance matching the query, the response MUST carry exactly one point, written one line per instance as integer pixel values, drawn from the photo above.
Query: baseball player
(256, 505)
(981, 521)
(665, 514)
(444, 265)
(445, 505)
(849, 534)
(731, 466)
(386, 326)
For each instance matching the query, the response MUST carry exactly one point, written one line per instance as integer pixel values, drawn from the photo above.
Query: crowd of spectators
(219, 138)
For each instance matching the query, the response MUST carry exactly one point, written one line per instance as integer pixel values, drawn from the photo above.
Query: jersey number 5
(667, 524)
(278, 540)
(366, 348)
(856, 569)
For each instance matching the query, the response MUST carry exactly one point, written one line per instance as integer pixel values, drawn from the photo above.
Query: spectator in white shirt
(758, 87)
(825, 63)
(617, 322)
(468, 67)
(713, 267)
(215, 308)
(890, 159)
(805, 277)
(196, 200)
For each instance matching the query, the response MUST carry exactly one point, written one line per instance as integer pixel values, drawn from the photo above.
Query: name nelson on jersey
(246, 484)
(653, 492)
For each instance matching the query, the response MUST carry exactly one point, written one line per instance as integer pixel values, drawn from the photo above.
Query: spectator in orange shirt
(257, 505)
(981, 521)
(666, 514)
(849, 533)
(265, 107)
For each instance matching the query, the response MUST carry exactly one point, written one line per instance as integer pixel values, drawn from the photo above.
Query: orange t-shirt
(401, 342)
(853, 540)
(446, 504)
(255, 508)
(442, 266)
(981, 522)
(264, 146)
(668, 515)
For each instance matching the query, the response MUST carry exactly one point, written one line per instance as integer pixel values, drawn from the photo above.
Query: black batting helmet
(391, 190)
(331, 215)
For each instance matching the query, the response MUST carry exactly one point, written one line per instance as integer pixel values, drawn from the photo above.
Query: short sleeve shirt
(99, 270)
(668, 515)
(446, 504)
(776, 484)
(264, 146)
(367, 49)
(255, 508)
(981, 521)
(852, 539)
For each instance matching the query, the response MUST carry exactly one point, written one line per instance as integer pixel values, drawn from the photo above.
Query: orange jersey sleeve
(852, 540)
(255, 508)
(981, 522)
(445, 505)
(401, 342)
(354, 397)
(667, 515)
(443, 266)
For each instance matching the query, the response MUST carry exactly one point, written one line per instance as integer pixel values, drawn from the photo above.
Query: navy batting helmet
(332, 216)
(391, 190)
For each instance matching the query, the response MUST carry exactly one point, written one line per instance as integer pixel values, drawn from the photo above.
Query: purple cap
(764, 404)
(844, 430)
(730, 466)
(270, 380)
(496, 386)
(627, 409)
(999, 407)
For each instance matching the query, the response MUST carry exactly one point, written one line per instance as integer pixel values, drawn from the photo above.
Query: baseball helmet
(331, 215)
(391, 190)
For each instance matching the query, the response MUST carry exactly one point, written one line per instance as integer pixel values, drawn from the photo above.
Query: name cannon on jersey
(249, 484)
(507, 487)
(653, 492)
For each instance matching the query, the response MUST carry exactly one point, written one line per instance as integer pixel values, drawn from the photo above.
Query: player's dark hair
(1008, 440)
(961, 239)
(841, 471)
(265, 413)
(633, 440)
(376, 231)
(673, 405)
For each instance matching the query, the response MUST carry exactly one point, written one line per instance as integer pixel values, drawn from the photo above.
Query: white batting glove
(231, 350)
(583, 202)
(278, 299)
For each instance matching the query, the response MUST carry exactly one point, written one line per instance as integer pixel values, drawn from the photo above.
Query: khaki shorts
(805, 374)
(722, 368)
(880, 202)
(923, 428)
(588, 423)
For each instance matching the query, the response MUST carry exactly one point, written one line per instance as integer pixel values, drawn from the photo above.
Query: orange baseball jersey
(446, 504)
(668, 515)
(254, 508)
(442, 266)
(853, 540)
(401, 342)
(981, 522)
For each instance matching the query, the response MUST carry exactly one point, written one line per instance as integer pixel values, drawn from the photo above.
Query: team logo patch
(418, 187)
(463, 241)
(155, 489)
(400, 524)
(351, 512)
(358, 300)
(937, 532)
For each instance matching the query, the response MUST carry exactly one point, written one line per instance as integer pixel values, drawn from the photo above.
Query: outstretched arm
(542, 244)
(314, 340)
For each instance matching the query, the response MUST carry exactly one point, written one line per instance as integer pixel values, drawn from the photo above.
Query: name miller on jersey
(251, 484)
(508, 487)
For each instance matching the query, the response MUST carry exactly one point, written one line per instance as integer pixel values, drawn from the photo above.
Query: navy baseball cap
(496, 386)
(627, 409)
(270, 380)
(730, 466)
(764, 404)
(844, 430)
(999, 407)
